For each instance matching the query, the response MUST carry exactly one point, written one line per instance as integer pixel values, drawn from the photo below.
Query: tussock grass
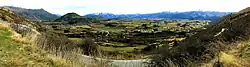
(6, 27)
(16, 54)
(229, 60)
(23, 51)
(62, 50)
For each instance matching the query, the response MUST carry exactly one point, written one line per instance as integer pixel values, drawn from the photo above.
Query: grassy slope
(15, 54)
(22, 50)
(210, 44)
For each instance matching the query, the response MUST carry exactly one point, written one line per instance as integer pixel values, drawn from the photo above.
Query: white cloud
(128, 6)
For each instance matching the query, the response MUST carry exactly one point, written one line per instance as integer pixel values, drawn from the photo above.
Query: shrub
(89, 46)
(55, 43)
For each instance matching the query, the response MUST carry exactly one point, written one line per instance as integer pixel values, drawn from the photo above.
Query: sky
(84, 7)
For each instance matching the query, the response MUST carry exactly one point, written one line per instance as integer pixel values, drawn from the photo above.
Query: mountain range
(43, 15)
(34, 14)
(190, 15)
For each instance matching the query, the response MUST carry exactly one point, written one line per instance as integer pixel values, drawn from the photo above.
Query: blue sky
(128, 6)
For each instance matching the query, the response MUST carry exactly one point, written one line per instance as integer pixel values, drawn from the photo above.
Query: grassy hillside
(219, 45)
(17, 52)
(25, 44)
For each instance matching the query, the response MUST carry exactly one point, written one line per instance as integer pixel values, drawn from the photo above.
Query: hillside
(33, 14)
(191, 15)
(223, 44)
(22, 44)
(68, 17)
(73, 18)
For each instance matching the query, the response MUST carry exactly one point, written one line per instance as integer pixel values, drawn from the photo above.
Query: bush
(55, 43)
(89, 46)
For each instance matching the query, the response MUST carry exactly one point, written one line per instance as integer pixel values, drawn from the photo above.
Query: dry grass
(15, 36)
(229, 60)
(17, 54)
(61, 49)
(5, 26)
(22, 51)
(234, 57)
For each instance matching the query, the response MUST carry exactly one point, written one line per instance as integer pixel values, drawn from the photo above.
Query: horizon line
(200, 10)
